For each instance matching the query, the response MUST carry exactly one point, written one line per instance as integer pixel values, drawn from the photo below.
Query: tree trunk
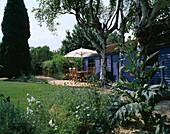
(103, 68)
(122, 40)
(120, 65)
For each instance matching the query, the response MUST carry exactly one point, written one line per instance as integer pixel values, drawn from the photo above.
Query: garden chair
(74, 73)
(89, 73)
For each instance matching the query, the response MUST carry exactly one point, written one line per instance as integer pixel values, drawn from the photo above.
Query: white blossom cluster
(52, 124)
(31, 101)
(85, 108)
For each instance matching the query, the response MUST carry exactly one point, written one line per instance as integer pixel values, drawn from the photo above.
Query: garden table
(81, 75)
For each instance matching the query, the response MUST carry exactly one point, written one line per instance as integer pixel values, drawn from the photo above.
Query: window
(91, 62)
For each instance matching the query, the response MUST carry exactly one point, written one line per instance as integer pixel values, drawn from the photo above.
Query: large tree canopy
(151, 21)
(90, 14)
(93, 14)
(14, 50)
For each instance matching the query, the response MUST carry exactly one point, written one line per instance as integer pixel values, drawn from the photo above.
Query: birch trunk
(103, 68)
(122, 41)
(102, 48)
(120, 59)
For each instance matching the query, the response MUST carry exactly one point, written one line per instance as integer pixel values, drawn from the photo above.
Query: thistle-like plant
(137, 99)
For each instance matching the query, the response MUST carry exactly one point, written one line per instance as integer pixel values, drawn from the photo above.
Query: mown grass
(72, 110)
(18, 91)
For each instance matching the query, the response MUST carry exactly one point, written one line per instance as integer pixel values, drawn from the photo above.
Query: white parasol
(81, 52)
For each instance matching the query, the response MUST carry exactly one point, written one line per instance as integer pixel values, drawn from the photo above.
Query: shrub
(13, 120)
(137, 99)
(63, 63)
(81, 111)
(59, 65)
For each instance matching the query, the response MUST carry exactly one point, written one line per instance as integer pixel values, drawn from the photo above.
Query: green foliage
(14, 50)
(63, 63)
(137, 99)
(81, 111)
(39, 55)
(91, 15)
(12, 120)
(59, 66)
(63, 109)
(112, 38)
(1, 66)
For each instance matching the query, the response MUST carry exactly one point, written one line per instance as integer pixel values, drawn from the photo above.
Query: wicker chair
(74, 72)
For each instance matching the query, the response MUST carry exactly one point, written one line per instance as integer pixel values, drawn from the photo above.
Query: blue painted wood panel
(85, 64)
(164, 55)
(109, 73)
(108, 63)
(115, 66)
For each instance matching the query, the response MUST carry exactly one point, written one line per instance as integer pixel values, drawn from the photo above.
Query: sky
(41, 36)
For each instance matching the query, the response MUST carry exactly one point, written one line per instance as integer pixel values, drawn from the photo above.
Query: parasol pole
(81, 62)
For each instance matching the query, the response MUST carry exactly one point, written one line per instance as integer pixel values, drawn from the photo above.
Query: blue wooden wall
(164, 58)
(113, 65)
(85, 64)
(109, 67)
(97, 66)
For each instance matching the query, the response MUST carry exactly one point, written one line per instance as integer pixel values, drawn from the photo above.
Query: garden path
(3, 78)
(53, 81)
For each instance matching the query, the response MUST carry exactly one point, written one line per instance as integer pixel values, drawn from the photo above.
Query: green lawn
(18, 91)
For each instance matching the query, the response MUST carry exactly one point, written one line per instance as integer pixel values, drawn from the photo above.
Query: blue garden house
(113, 62)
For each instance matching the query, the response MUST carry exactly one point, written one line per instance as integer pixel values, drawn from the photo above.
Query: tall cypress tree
(14, 50)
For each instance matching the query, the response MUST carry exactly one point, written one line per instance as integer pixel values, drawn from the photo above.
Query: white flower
(84, 109)
(87, 107)
(32, 98)
(28, 100)
(77, 107)
(37, 102)
(51, 123)
(88, 114)
(76, 116)
(27, 94)
(76, 111)
(31, 111)
(29, 103)
(55, 128)
(27, 110)
(82, 105)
